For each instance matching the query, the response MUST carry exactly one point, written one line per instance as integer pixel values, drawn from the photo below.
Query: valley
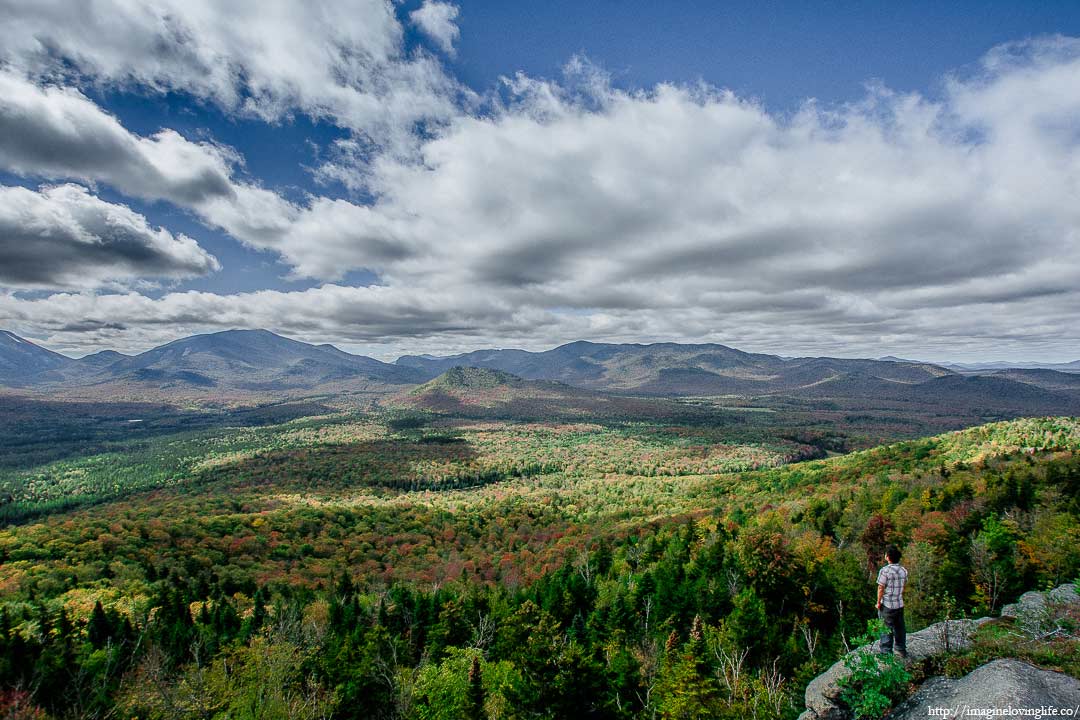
(342, 537)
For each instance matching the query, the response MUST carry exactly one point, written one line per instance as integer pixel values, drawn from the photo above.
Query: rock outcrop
(937, 639)
(998, 685)
(1033, 612)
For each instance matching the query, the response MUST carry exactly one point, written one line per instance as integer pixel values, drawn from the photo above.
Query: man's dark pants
(894, 629)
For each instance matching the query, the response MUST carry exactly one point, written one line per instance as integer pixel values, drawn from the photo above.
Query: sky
(831, 178)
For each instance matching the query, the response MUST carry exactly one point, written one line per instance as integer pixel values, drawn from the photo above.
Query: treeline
(726, 614)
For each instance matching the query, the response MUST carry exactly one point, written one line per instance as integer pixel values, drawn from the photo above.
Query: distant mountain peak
(103, 358)
(238, 335)
(263, 361)
(248, 332)
(670, 368)
(11, 336)
(23, 362)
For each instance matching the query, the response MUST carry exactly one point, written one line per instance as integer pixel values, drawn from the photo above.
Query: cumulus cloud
(438, 20)
(866, 222)
(64, 236)
(54, 131)
(344, 62)
(700, 191)
(58, 133)
(900, 223)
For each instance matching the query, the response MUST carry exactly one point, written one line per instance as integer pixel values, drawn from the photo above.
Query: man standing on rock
(890, 602)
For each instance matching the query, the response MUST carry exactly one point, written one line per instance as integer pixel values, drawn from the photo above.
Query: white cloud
(59, 133)
(63, 236)
(52, 131)
(438, 20)
(687, 201)
(345, 62)
(900, 223)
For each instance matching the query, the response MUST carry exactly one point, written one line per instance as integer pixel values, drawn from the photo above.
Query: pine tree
(686, 690)
(476, 691)
(99, 629)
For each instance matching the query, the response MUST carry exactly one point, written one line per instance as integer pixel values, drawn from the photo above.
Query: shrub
(877, 680)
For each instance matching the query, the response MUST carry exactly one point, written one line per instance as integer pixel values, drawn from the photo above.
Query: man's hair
(893, 553)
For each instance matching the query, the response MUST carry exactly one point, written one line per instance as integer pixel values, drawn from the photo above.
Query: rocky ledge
(1000, 685)
(1032, 612)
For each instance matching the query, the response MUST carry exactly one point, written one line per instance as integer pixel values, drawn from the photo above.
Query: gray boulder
(1030, 603)
(1037, 602)
(1064, 594)
(937, 639)
(997, 685)
(1033, 611)
(1038, 613)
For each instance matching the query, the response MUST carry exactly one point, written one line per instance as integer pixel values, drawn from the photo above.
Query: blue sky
(779, 52)
(444, 176)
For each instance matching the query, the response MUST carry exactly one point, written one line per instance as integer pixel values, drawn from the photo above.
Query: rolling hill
(464, 380)
(1049, 379)
(483, 392)
(1068, 367)
(102, 359)
(979, 395)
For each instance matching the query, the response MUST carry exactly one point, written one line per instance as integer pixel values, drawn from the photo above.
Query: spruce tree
(476, 691)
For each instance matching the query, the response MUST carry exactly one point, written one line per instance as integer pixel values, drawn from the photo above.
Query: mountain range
(241, 359)
(677, 369)
(669, 369)
(261, 361)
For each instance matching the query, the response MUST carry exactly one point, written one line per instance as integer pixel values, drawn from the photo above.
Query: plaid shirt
(892, 577)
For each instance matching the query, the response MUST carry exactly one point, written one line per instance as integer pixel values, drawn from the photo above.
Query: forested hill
(196, 604)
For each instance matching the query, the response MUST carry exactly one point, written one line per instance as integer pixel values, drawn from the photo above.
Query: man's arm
(880, 595)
